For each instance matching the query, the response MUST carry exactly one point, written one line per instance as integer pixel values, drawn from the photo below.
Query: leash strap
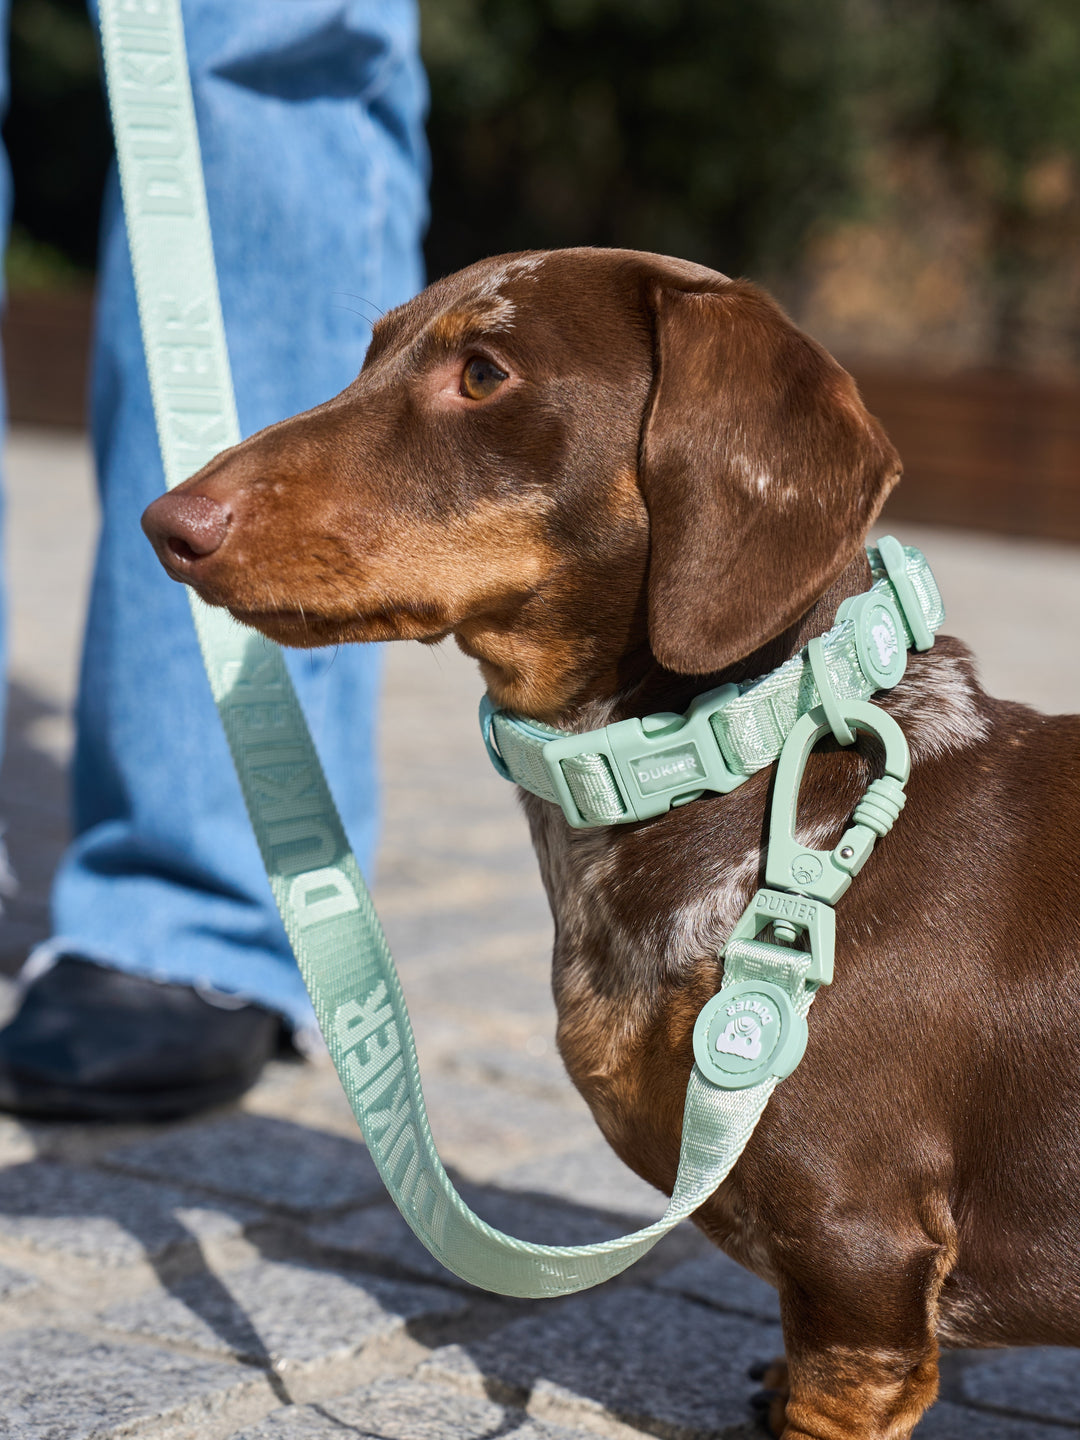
(316, 882)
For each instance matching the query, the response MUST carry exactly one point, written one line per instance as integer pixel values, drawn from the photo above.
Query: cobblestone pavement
(243, 1275)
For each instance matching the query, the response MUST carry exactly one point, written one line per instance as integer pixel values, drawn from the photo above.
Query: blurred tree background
(58, 143)
(903, 172)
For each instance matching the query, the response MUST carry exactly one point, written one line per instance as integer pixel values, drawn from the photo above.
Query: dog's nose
(184, 529)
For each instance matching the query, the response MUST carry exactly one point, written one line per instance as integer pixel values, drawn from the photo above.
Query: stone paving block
(715, 1279)
(484, 1129)
(59, 1385)
(297, 1422)
(263, 1158)
(16, 1142)
(458, 1045)
(945, 1421)
(657, 1361)
(110, 1219)
(1013, 629)
(312, 1090)
(405, 1410)
(533, 1067)
(499, 873)
(590, 1174)
(448, 967)
(411, 1410)
(442, 878)
(1043, 1383)
(381, 1234)
(15, 1282)
(468, 909)
(285, 1313)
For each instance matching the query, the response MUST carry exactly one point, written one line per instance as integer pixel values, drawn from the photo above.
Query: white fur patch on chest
(939, 707)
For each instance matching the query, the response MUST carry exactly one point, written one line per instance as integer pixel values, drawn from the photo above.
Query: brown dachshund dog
(619, 480)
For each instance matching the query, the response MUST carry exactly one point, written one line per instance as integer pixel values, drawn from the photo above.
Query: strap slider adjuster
(895, 563)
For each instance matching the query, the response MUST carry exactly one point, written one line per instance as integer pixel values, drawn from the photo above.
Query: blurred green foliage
(997, 81)
(705, 128)
(728, 131)
(58, 142)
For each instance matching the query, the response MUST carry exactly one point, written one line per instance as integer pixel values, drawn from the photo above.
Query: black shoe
(91, 1043)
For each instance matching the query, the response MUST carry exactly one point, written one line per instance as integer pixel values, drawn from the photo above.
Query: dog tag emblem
(879, 639)
(746, 1033)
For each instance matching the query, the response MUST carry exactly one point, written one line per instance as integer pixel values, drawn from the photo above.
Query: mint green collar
(638, 768)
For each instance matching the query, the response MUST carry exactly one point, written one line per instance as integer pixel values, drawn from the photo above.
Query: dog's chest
(642, 911)
(640, 915)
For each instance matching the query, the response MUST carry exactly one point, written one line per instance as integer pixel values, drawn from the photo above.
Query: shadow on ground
(34, 810)
(252, 1240)
(273, 1245)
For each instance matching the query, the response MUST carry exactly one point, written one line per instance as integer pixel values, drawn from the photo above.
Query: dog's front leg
(861, 1345)
(857, 1394)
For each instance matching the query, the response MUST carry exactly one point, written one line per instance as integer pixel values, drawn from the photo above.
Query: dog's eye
(481, 378)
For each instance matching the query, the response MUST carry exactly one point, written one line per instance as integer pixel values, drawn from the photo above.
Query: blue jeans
(310, 119)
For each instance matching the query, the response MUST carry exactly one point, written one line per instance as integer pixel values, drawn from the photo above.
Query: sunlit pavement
(244, 1275)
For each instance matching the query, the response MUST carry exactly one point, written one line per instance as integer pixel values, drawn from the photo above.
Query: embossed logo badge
(879, 640)
(805, 869)
(671, 769)
(745, 1030)
(741, 1036)
(746, 1033)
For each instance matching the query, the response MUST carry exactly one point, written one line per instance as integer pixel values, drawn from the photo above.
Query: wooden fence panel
(987, 451)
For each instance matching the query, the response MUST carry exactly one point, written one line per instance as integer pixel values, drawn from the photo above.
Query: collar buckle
(656, 763)
(639, 768)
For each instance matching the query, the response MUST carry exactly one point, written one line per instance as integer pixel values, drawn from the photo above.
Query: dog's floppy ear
(760, 468)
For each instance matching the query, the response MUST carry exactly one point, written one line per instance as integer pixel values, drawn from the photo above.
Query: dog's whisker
(363, 300)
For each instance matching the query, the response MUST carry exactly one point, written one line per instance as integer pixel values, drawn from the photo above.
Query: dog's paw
(770, 1402)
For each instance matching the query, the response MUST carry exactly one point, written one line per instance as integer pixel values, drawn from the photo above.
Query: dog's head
(562, 458)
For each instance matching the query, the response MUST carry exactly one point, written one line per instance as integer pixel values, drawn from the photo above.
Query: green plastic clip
(830, 702)
(659, 762)
(826, 874)
(895, 563)
(880, 642)
(791, 916)
(802, 885)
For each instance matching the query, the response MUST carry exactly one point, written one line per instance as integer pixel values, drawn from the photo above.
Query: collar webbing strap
(325, 906)
(634, 769)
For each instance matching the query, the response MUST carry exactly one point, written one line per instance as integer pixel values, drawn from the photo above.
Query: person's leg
(310, 124)
(7, 880)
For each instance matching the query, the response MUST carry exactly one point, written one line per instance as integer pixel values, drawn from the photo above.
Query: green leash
(748, 1036)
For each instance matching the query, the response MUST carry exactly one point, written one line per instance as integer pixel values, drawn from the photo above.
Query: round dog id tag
(747, 1032)
(879, 639)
